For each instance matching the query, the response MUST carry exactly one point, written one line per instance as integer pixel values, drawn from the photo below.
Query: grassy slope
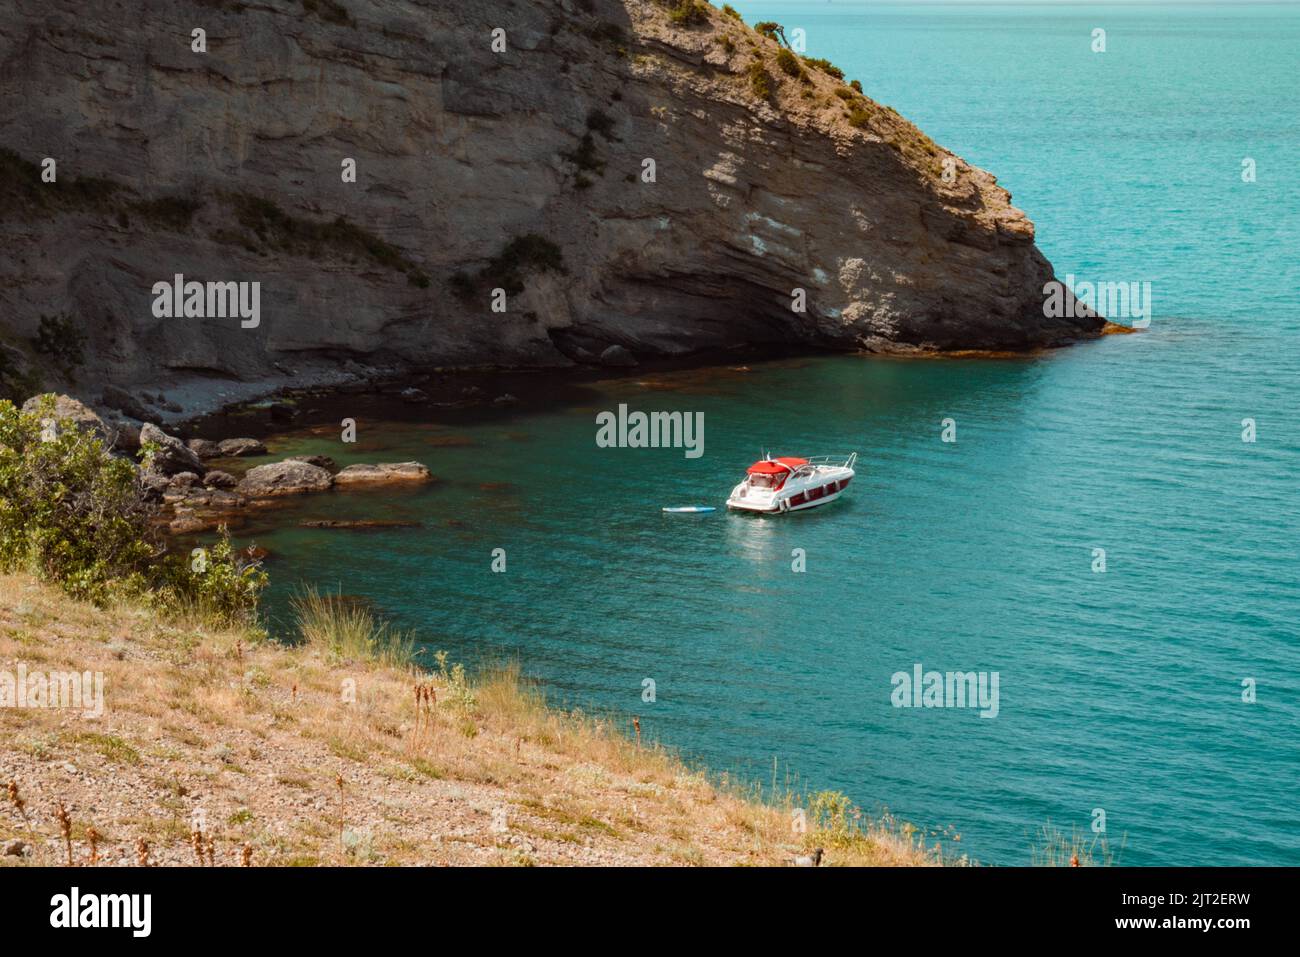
(258, 737)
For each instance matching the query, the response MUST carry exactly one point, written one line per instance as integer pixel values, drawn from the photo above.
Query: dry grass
(218, 748)
(1057, 849)
(349, 630)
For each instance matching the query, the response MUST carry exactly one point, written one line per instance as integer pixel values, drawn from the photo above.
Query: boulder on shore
(71, 414)
(382, 473)
(182, 481)
(172, 456)
(204, 448)
(241, 447)
(617, 356)
(284, 478)
(321, 461)
(154, 485)
(126, 433)
(219, 479)
(188, 523)
(125, 402)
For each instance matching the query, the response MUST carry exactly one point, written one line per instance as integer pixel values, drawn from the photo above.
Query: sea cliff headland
(635, 179)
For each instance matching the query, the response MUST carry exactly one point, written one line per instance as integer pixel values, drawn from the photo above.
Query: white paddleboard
(692, 508)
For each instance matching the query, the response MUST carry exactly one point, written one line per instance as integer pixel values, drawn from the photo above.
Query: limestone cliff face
(475, 170)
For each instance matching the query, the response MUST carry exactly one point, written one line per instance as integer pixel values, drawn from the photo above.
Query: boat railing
(842, 461)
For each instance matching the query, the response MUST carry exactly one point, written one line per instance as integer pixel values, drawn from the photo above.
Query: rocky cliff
(498, 144)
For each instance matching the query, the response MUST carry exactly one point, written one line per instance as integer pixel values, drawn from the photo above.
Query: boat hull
(792, 500)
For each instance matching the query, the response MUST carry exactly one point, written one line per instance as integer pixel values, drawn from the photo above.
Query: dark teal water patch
(1119, 690)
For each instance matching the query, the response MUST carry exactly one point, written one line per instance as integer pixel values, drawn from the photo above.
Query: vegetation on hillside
(399, 764)
(76, 516)
(264, 225)
(179, 638)
(507, 270)
(775, 63)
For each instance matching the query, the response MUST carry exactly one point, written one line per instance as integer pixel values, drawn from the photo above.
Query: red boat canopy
(776, 466)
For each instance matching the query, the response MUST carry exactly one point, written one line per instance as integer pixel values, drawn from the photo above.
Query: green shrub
(610, 33)
(215, 584)
(772, 30)
(523, 254)
(688, 13)
(69, 511)
(731, 11)
(59, 338)
(600, 122)
(857, 85)
(826, 66)
(459, 692)
(859, 118)
(76, 517)
(760, 81)
(586, 158)
(520, 256)
(20, 184)
(22, 189)
(831, 811)
(463, 285)
(788, 63)
(285, 232)
(844, 93)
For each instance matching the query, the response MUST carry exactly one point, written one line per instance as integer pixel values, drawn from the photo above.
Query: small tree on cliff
(773, 31)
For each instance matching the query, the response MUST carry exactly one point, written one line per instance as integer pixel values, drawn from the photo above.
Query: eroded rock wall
(475, 170)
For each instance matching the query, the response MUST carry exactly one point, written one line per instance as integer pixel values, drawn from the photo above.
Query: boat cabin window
(759, 480)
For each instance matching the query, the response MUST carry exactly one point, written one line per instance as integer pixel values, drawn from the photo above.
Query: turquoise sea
(1120, 690)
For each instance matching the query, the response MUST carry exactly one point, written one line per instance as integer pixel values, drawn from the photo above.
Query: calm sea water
(1120, 690)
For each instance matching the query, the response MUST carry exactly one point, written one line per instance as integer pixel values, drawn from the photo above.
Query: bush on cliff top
(76, 517)
(826, 66)
(760, 81)
(789, 63)
(687, 13)
(772, 30)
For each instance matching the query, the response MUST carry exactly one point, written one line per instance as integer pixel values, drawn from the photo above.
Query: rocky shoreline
(194, 496)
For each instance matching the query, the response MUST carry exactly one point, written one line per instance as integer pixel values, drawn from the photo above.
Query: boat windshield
(761, 480)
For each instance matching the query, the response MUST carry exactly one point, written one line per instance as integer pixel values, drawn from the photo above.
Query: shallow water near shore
(1118, 690)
